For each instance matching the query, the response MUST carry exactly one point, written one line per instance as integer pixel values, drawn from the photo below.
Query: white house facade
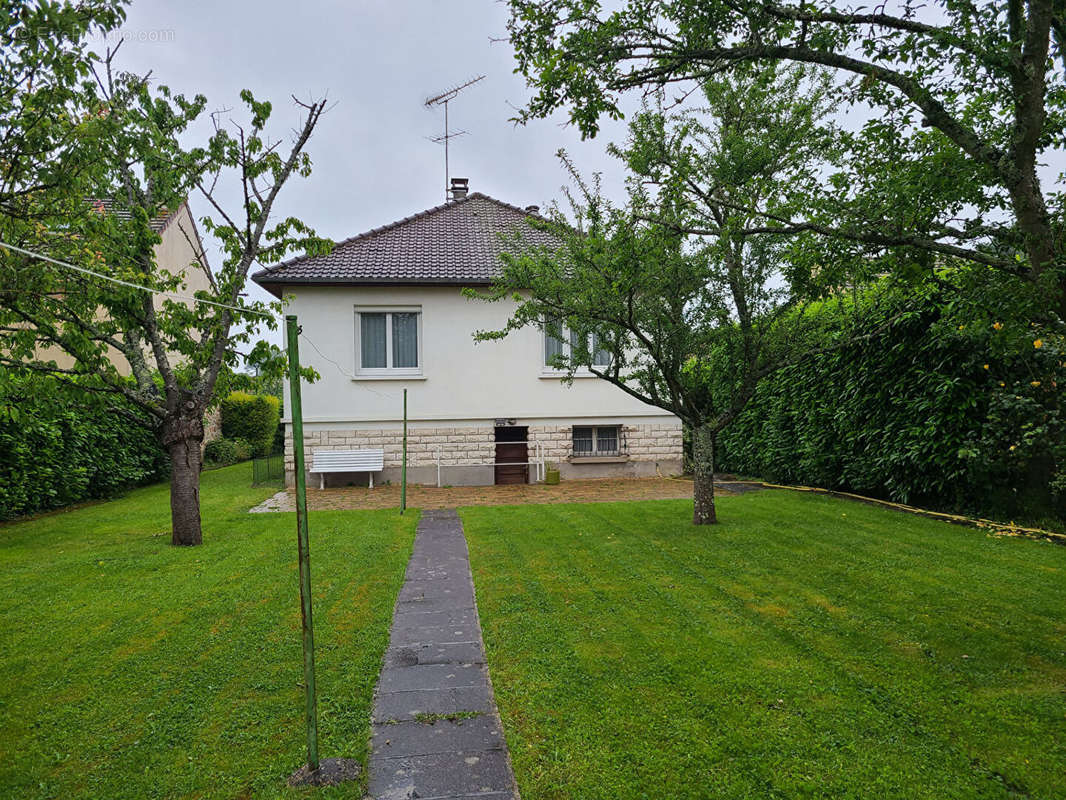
(385, 312)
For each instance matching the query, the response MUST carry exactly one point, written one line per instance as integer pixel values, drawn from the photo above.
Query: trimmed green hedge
(59, 446)
(253, 418)
(222, 452)
(932, 398)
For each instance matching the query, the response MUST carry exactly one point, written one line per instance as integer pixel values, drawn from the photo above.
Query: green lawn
(133, 669)
(805, 647)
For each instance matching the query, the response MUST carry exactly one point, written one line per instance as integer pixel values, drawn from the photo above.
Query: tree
(657, 292)
(264, 371)
(967, 99)
(174, 349)
(45, 58)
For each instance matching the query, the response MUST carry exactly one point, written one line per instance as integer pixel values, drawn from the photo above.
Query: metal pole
(293, 332)
(403, 469)
(446, 187)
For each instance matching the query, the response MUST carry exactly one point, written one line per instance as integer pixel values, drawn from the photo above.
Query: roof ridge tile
(440, 245)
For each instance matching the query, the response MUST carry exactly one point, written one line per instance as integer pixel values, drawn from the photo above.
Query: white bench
(323, 461)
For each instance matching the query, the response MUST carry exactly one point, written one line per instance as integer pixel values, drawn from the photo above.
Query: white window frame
(388, 371)
(596, 452)
(549, 371)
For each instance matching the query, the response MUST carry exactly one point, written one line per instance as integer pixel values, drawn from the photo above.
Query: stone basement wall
(457, 446)
(652, 448)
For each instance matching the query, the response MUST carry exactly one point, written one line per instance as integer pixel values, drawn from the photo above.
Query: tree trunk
(181, 434)
(185, 492)
(703, 512)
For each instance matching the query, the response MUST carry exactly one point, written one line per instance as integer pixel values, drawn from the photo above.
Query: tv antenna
(443, 99)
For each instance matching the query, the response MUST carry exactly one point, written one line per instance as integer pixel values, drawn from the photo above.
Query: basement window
(599, 440)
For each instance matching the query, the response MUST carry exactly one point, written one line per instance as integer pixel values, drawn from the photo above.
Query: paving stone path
(592, 490)
(436, 730)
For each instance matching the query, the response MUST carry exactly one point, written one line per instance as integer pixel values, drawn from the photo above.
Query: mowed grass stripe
(807, 646)
(176, 672)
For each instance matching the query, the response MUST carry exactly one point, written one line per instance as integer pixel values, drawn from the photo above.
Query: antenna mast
(443, 99)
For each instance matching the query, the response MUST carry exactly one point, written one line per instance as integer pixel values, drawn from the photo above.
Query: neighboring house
(384, 311)
(179, 252)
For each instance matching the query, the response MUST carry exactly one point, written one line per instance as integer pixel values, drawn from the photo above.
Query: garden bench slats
(370, 460)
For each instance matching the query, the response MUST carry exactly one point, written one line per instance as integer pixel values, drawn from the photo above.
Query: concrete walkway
(436, 731)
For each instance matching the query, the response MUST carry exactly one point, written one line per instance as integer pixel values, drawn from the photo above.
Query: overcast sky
(377, 62)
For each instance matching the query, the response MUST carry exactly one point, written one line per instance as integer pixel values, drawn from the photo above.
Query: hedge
(222, 452)
(60, 446)
(253, 418)
(945, 397)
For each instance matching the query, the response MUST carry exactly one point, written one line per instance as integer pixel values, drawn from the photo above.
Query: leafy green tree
(45, 57)
(675, 298)
(263, 372)
(267, 362)
(967, 100)
(171, 350)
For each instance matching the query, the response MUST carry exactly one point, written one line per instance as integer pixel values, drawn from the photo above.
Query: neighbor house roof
(157, 224)
(458, 243)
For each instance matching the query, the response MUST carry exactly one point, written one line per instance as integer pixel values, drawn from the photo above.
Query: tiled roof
(456, 243)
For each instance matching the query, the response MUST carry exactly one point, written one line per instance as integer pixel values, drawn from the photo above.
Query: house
(384, 311)
(180, 252)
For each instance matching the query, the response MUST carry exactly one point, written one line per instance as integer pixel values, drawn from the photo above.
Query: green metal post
(403, 469)
(293, 332)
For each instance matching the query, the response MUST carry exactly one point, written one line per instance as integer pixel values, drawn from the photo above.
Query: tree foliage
(58, 447)
(130, 154)
(678, 282)
(44, 58)
(950, 405)
(253, 418)
(956, 105)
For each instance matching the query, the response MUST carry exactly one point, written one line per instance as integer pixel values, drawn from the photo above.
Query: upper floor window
(561, 341)
(388, 341)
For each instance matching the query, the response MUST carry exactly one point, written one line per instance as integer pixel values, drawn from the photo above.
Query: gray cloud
(377, 61)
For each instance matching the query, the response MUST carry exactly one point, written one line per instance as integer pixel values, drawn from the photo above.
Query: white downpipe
(438, 466)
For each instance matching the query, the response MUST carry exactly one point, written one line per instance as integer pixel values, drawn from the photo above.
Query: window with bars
(596, 440)
(388, 342)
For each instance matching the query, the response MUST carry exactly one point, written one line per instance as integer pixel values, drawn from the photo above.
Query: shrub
(60, 446)
(944, 397)
(221, 452)
(253, 418)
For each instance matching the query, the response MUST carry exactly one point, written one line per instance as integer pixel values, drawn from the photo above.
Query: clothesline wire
(186, 298)
(131, 285)
(387, 395)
